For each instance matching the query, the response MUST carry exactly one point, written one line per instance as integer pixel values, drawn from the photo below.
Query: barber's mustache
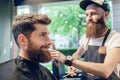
(98, 22)
(91, 22)
(45, 46)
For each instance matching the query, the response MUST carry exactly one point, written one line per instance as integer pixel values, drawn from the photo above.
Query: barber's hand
(72, 71)
(58, 56)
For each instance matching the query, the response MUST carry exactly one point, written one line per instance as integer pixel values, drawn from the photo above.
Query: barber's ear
(106, 15)
(22, 40)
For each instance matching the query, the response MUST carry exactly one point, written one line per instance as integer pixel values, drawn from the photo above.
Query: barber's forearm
(93, 68)
(78, 53)
(76, 56)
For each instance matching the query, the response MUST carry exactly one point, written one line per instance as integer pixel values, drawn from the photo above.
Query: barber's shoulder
(113, 38)
(115, 35)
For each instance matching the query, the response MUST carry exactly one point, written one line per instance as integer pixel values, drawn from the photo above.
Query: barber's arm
(100, 69)
(78, 53)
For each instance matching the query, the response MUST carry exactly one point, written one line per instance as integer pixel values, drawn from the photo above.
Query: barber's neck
(105, 31)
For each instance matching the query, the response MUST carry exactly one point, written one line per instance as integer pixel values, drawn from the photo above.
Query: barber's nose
(89, 18)
(48, 40)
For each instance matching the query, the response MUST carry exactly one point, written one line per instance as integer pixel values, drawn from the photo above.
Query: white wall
(5, 29)
(116, 15)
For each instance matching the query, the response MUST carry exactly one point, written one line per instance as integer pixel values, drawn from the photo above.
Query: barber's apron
(97, 54)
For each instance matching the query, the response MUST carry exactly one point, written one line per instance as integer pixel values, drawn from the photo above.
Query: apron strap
(105, 38)
(86, 46)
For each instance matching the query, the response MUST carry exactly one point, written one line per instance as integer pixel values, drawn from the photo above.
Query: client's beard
(97, 29)
(38, 54)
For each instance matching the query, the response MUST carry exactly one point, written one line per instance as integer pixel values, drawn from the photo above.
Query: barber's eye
(94, 13)
(43, 34)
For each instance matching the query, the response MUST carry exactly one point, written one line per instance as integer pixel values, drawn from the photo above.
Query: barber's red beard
(96, 30)
(38, 54)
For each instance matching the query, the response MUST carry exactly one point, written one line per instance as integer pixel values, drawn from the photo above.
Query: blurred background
(67, 27)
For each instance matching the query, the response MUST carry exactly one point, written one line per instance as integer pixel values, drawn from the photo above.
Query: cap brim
(83, 4)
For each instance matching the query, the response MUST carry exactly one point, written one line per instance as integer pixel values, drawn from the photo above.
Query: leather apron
(96, 54)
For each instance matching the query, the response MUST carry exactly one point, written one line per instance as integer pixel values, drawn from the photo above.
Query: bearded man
(32, 37)
(100, 46)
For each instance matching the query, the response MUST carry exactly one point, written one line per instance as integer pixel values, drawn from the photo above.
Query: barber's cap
(102, 3)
